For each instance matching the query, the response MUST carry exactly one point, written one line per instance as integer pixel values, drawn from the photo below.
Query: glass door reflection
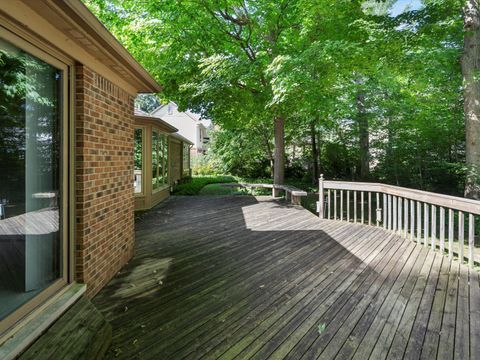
(30, 176)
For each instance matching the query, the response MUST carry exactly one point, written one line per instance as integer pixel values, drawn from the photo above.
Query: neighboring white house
(189, 125)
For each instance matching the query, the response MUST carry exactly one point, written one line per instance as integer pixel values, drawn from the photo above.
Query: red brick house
(67, 90)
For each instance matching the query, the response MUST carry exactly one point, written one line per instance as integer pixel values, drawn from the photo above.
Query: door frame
(39, 49)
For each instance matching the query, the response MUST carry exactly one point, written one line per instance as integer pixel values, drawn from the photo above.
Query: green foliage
(203, 165)
(241, 63)
(147, 102)
(215, 189)
(195, 185)
(242, 152)
(321, 328)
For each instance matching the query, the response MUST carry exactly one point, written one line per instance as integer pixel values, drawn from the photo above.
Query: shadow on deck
(246, 277)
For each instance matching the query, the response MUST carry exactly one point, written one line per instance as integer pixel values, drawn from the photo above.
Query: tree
(211, 55)
(363, 135)
(382, 90)
(471, 83)
(315, 154)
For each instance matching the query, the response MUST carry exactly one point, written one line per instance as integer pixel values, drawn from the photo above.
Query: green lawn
(209, 185)
(197, 183)
(216, 189)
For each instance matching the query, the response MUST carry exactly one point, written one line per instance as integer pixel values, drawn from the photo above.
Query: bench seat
(291, 193)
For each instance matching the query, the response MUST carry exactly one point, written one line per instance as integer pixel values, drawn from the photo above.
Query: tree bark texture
(471, 90)
(363, 137)
(315, 172)
(279, 166)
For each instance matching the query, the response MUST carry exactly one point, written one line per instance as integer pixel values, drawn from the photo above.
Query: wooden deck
(245, 277)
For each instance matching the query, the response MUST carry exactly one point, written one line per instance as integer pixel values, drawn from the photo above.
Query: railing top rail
(452, 202)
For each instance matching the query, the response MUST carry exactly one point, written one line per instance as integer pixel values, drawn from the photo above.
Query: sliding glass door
(32, 176)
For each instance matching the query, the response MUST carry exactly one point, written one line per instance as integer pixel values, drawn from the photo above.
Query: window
(186, 159)
(159, 160)
(32, 194)
(138, 166)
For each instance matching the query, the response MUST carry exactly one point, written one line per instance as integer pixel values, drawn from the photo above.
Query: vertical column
(321, 199)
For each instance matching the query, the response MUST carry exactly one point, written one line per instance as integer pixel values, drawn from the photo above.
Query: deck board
(251, 277)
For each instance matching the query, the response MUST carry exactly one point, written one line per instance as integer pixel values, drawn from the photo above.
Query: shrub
(203, 165)
(196, 184)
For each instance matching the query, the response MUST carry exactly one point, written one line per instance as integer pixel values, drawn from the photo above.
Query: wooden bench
(292, 193)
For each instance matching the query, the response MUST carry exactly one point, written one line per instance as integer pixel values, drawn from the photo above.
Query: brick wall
(104, 190)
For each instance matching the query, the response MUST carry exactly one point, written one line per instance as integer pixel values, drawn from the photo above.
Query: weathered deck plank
(246, 277)
(462, 326)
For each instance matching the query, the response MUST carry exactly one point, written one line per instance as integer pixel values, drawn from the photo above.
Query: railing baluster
(395, 207)
(419, 222)
(389, 212)
(451, 229)
(385, 211)
(400, 213)
(362, 204)
(376, 211)
(329, 205)
(461, 235)
(425, 224)
(442, 230)
(434, 227)
(348, 205)
(369, 208)
(405, 218)
(341, 205)
(321, 197)
(354, 206)
(471, 239)
(335, 204)
(412, 219)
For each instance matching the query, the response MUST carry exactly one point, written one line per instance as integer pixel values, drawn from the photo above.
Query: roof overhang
(139, 120)
(181, 138)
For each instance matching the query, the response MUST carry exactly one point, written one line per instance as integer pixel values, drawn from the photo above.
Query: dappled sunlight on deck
(265, 219)
(246, 277)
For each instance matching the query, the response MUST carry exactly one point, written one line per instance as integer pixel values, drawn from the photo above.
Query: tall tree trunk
(269, 151)
(315, 172)
(363, 137)
(279, 166)
(471, 93)
(319, 150)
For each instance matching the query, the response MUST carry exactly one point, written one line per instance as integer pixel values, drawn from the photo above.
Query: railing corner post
(321, 200)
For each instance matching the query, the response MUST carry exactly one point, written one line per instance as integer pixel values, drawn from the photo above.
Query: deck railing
(440, 221)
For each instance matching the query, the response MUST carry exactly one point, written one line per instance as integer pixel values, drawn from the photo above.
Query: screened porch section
(151, 161)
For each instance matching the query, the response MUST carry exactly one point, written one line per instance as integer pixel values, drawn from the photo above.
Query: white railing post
(451, 227)
(369, 208)
(341, 205)
(385, 211)
(334, 204)
(379, 210)
(471, 240)
(321, 200)
(461, 235)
